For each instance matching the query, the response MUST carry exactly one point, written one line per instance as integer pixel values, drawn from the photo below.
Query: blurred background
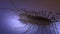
(9, 23)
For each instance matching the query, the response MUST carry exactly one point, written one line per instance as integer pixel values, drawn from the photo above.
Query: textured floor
(9, 23)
